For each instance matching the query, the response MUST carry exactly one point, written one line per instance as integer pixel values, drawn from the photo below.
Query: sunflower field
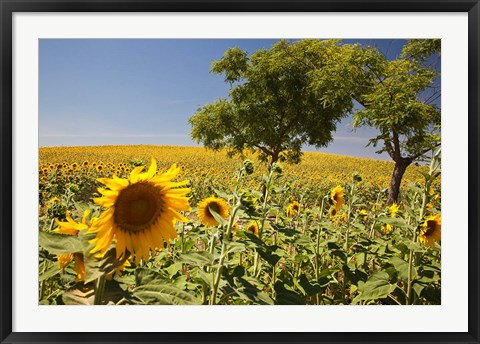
(127, 225)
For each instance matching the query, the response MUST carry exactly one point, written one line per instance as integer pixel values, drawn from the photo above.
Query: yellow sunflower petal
(120, 243)
(134, 174)
(152, 170)
(114, 183)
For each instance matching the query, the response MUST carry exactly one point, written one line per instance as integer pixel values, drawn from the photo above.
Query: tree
(280, 98)
(400, 100)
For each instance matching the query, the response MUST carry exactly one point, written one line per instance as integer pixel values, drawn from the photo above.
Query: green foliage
(152, 289)
(59, 243)
(309, 258)
(280, 98)
(376, 287)
(400, 101)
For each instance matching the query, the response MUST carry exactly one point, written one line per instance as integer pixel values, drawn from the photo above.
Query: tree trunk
(398, 172)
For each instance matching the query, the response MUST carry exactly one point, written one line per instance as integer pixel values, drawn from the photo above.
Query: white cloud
(115, 135)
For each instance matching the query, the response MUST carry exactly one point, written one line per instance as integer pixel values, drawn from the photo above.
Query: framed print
(239, 171)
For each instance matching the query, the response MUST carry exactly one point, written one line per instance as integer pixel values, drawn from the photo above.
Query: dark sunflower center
(430, 228)
(138, 206)
(215, 207)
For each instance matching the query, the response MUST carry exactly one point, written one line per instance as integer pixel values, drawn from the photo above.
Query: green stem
(372, 230)
(99, 290)
(317, 264)
(347, 238)
(182, 237)
(274, 236)
(264, 206)
(42, 283)
(411, 260)
(348, 218)
(223, 254)
(211, 249)
(262, 221)
(410, 269)
(256, 258)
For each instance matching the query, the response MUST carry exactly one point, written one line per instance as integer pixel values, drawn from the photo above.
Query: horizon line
(200, 146)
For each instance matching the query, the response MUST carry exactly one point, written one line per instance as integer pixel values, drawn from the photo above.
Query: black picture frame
(9, 7)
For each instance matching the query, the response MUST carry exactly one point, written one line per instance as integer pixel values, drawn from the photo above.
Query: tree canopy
(295, 93)
(281, 98)
(401, 100)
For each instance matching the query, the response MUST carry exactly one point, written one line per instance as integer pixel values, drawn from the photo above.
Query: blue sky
(142, 91)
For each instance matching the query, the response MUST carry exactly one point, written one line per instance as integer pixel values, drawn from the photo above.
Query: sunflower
(72, 228)
(333, 212)
(140, 212)
(393, 209)
(387, 229)
(52, 201)
(218, 205)
(252, 228)
(337, 197)
(363, 215)
(293, 209)
(431, 230)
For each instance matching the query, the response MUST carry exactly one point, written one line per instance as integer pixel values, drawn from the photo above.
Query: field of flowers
(183, 225)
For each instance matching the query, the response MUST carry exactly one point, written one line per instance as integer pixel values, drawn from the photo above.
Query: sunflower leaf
(52, 271)
(377, 287)
(97, 267)
(144, 276)
(222, 194)
(401, 266)
(197, 258)
(59, 243)
(307, 287)
(217, 217)
(249, 292)
(286, 296)
(414, 188)
(156, 293)
(394, 221)
(202, 277)
(235, 247)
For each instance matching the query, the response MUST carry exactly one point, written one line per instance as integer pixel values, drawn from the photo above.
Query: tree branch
(419, 154)
(396, 145)
(389, 148)
(263, 149)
